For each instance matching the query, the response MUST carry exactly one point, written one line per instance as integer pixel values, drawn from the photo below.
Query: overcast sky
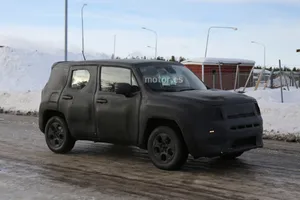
(181, 26)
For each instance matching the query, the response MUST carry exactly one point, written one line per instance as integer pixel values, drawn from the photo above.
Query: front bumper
(227, 135)
(213, 146)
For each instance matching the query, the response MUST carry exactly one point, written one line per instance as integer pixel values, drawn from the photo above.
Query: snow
(23, 69)
(279, 118)
(258, 71)
(27, 101)
(216, 61)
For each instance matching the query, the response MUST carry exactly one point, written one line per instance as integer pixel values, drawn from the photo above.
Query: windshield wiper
(186, 89)
(165, 90)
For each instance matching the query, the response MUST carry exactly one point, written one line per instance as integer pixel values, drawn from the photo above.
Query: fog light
(212, 131)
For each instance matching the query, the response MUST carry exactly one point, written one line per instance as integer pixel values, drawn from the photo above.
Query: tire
(57, 136)
(166, 149)
(231, 156)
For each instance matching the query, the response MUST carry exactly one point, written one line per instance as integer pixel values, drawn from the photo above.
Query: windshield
(170, 77)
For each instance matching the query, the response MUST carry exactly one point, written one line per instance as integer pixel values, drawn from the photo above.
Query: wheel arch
(155, 122)
(48, 114)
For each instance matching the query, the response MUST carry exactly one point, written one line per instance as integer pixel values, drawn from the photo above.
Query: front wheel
(167, 149)
(58, 137)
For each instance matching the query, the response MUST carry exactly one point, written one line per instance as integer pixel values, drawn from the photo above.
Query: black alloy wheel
(167, 149)
(57, 136)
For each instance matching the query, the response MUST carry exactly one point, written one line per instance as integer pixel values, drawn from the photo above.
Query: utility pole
(155, 39)
(66, 30)
(264, 46)
(264, 68)
(150, 47)
(208, 33)
(82, 30)
(115, 40)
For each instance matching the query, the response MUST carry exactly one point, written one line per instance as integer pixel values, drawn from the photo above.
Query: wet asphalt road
(28, 170)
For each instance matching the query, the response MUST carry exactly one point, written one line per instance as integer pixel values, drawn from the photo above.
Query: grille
(245, 126)
(241, 115)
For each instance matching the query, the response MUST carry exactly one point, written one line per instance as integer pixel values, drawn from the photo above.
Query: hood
(215, 97)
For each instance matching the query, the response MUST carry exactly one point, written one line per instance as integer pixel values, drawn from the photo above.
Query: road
(28, 170)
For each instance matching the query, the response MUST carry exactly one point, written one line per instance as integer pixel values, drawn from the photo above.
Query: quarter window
(112, 75)
(80, 79)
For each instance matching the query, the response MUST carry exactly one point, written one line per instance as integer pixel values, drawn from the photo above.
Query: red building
(222, 73)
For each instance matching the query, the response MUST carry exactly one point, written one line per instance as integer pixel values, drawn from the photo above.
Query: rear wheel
(231, 156)
(58, 137)
(167, 149)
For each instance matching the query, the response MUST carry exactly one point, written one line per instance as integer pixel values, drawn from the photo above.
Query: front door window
(112, 75)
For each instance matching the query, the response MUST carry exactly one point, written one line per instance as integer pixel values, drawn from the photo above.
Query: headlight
(217, 114)
(257, 109)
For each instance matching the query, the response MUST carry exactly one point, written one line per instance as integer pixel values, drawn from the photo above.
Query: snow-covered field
(23, 73)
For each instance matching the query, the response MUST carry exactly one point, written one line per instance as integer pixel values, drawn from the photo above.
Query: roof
(216, 61)
(114, 61)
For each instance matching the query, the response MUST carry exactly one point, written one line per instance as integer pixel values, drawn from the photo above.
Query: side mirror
(123, 88)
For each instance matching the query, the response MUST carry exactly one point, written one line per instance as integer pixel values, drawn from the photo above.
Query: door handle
(101, 101)
(67, 97)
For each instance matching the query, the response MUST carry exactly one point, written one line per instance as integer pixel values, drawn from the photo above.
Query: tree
(172, 59)
(160, 58)
(181, 59)
(294, 69)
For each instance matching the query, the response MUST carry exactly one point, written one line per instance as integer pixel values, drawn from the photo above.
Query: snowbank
(29, 69)
(281, 120)
(22, 102)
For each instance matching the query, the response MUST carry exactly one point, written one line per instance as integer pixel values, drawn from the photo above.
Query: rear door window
(80, 79)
